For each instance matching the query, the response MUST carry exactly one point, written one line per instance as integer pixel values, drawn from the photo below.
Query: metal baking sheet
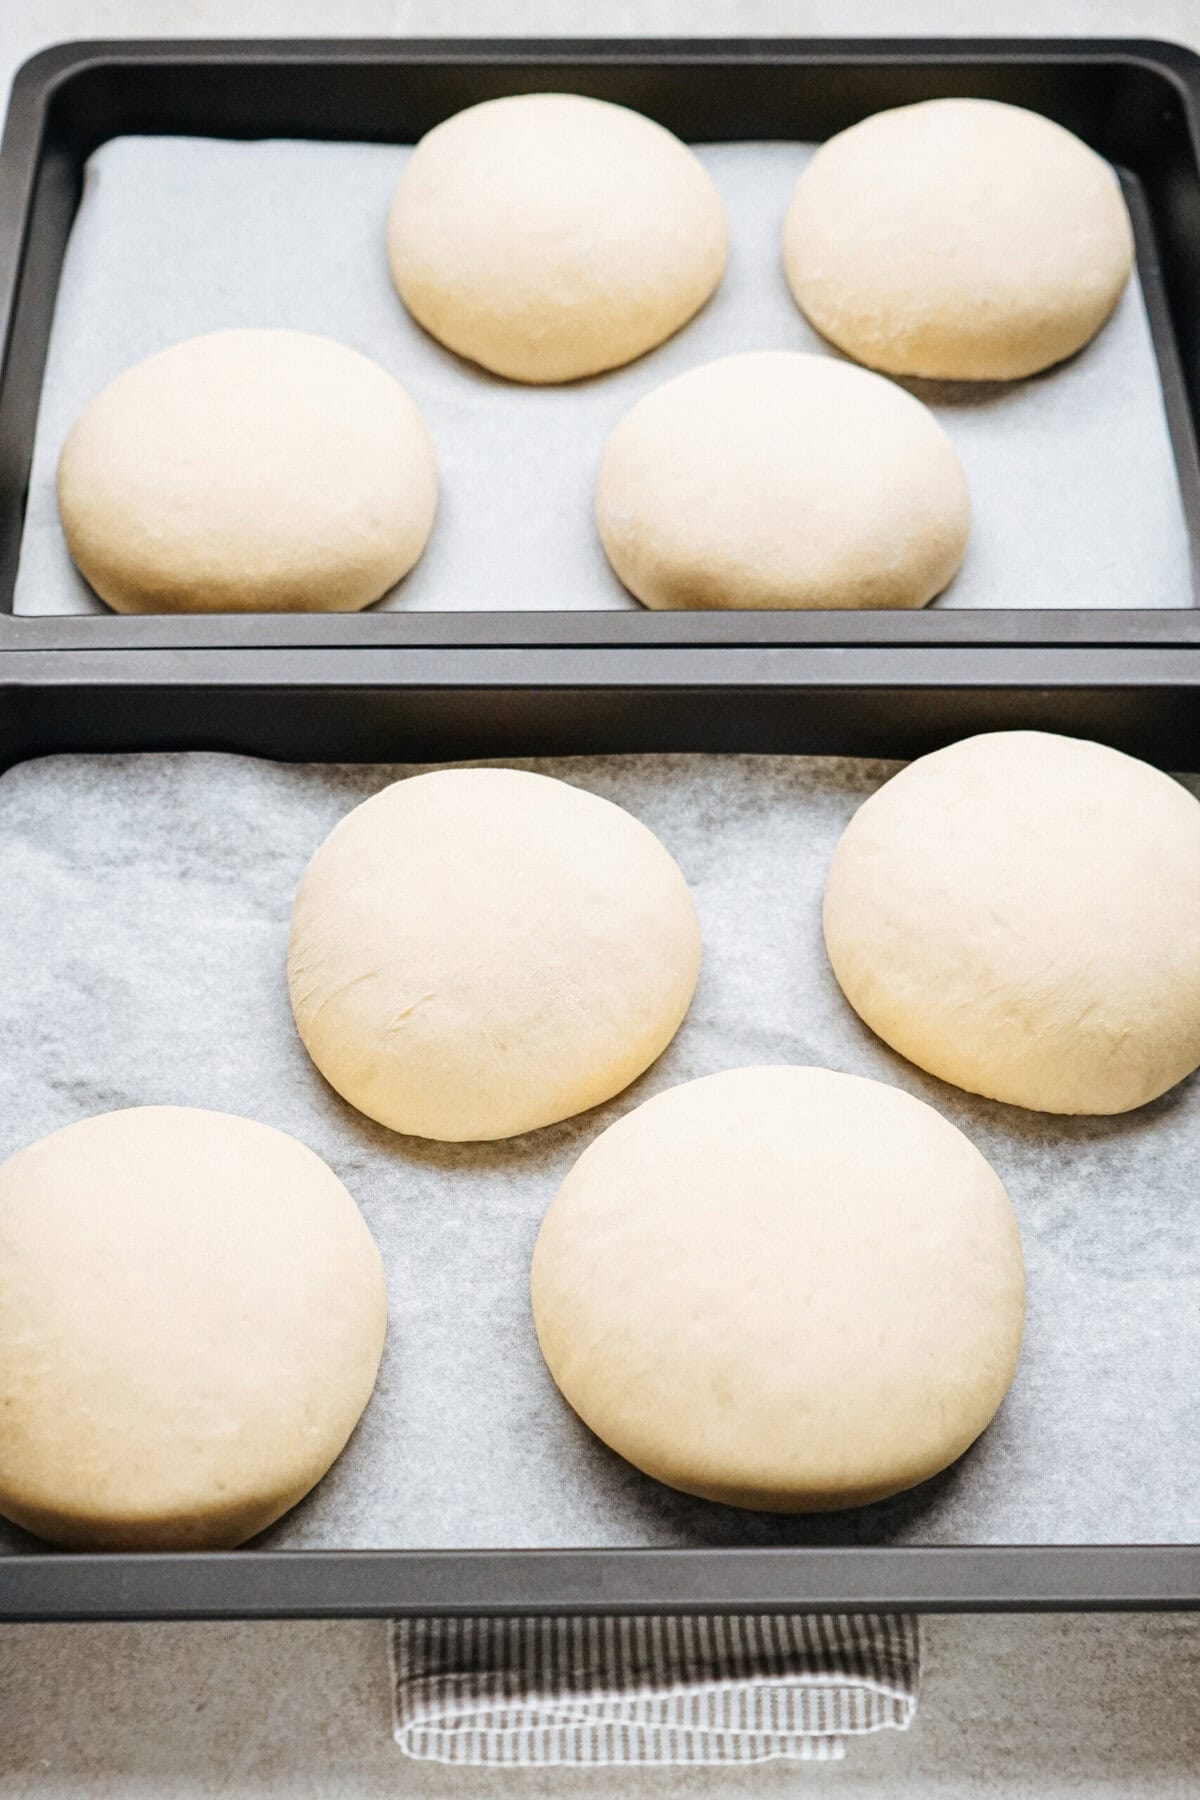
(147, 910)
(1075, 494)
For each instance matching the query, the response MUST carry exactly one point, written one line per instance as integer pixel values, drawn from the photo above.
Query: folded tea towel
(648, 1689)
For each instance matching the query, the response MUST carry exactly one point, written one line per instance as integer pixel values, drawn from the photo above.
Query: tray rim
(44, 75)
(266, 1584)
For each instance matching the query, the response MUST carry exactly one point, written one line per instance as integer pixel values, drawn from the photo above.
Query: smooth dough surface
(782, 1288)
(1019, 914)
(192, 1312)
(248, 471)
(550, 236)
(779, 479)
(478, 952)
(958, 239)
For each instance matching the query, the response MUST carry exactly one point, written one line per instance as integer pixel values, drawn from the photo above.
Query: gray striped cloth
(615, 1689)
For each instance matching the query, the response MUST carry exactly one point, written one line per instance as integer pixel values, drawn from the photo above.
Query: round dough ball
(192, 1313)
(782, 1288)
(959, 239)
(775, 479)
(548, 236)
(1020, 915)
(478, 952)
(248, 471)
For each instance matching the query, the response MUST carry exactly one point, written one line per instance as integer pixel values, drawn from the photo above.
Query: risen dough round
(248, 471)
(960, 239)
(776, 479)
(192, 1313)
(478, 952)
(1020, 915)
(548, 236)
(782, 1288)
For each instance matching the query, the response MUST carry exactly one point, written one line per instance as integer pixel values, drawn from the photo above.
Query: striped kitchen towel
(688, 1689)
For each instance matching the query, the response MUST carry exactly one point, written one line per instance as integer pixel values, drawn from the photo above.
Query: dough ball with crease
(959, 239)
(551, 236)
(778, 479)
(248, 471)
(781, 1288)
(192, 1313)
(478, 952)
(1019, 914)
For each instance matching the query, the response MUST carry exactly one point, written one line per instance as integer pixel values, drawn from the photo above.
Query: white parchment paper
(1072, 477)
(146, 913)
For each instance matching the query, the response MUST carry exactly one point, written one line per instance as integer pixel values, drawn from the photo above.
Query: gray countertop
(1011, 1706)
(1028, 1709)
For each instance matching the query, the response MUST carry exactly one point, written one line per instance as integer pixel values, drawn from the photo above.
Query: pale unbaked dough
(782, 1288)
(959, 239)
(549, 236)
(778, 479)
(1020, 915)
(478, 952)
(192, 1312)
(248, 471)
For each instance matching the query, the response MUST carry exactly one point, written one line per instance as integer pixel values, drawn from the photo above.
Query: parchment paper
(1072, 477)
(146, 913)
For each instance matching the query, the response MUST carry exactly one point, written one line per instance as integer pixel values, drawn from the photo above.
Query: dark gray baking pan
(444, 703)
(1136, 103)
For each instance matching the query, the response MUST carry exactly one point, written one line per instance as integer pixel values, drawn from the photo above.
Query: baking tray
(1137, 103)
(1078, 458)
(331, 705)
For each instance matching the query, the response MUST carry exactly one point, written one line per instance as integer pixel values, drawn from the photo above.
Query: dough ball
(959, 239)
(1020, 915)
(548, 236)
(782, 1288)
(775, 479)
(248, 471)
(192, 1313)
(478, 952)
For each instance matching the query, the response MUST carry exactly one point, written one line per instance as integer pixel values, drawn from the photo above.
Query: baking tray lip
(1132, 629)
(67, 57)
(45, 75)
(249, 1584)
(670, 670)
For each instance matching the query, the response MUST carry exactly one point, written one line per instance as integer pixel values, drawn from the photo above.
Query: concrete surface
(1028, 1709)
